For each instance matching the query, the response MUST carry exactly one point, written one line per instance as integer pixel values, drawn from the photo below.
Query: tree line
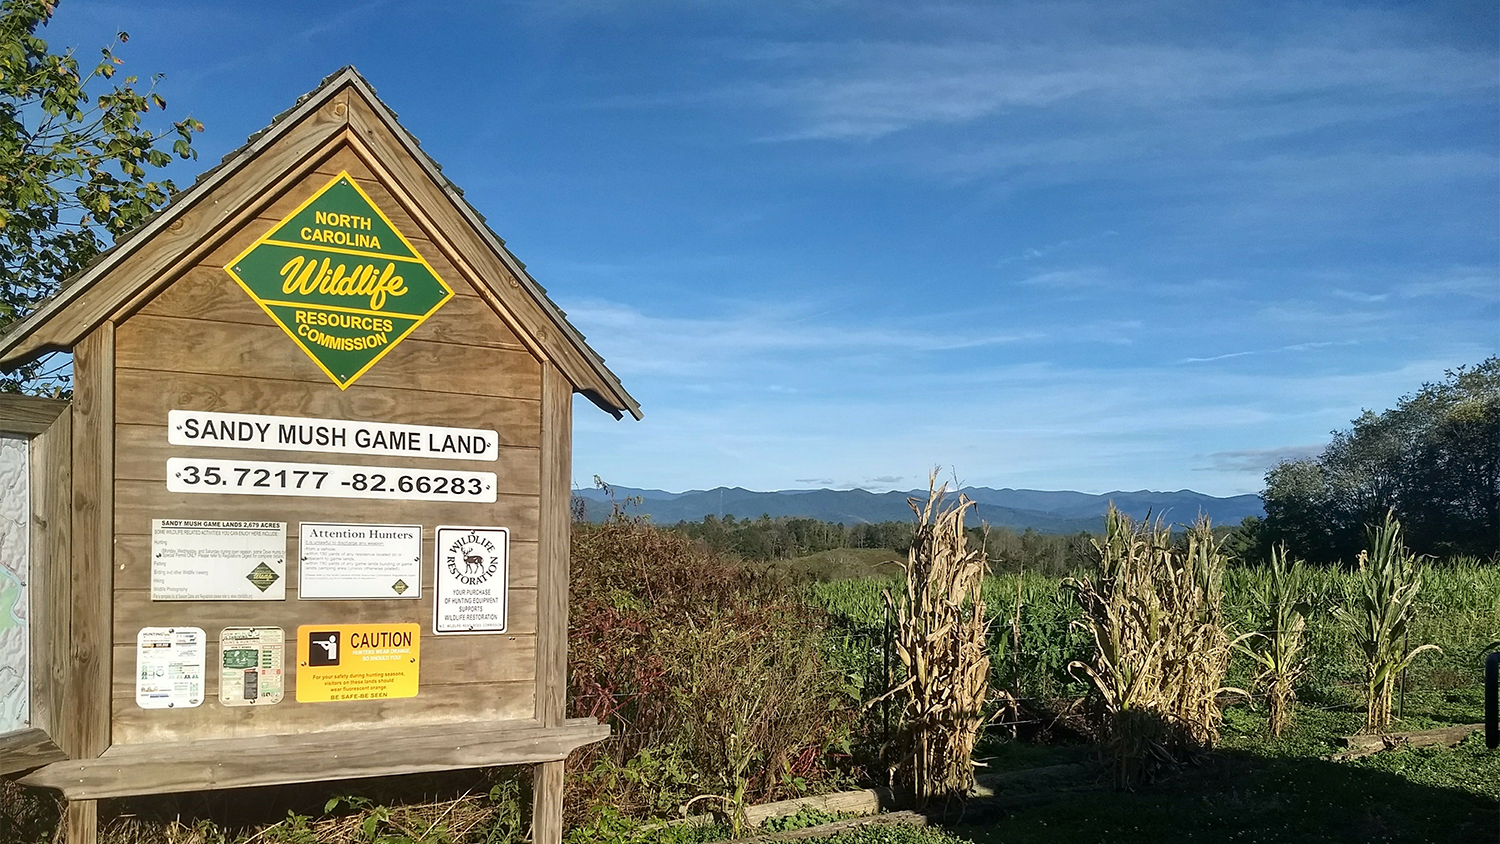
(1433, 459)
(785, 537)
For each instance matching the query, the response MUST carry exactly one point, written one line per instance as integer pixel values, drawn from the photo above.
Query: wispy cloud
(1294, 347)
(1258, 459)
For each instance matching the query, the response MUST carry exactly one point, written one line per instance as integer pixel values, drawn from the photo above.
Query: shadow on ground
(1243, 796)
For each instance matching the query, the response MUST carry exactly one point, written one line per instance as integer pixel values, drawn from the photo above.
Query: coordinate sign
(327, 480)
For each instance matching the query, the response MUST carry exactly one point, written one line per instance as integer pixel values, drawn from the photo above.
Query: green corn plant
(1379, 614)
(1277, 649)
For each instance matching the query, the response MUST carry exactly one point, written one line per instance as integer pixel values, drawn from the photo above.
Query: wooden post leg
(546, 803)
(81, 822)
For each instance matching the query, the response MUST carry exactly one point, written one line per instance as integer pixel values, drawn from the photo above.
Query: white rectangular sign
(331, 436)
(327, 480)
(169, 667)
(469, 586)
(194, 560)
(252, 666)
(359, 561)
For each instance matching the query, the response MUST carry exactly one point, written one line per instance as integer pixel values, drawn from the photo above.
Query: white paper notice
(251, 666)
(169, 667)
(359, 561)
(217, 561)
(470, 581)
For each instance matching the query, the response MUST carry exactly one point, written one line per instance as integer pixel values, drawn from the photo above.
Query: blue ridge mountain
(1046, 511)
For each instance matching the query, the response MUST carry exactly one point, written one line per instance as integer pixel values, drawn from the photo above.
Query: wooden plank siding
(201, 343)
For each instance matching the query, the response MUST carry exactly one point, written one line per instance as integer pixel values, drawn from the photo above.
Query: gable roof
(71, 313)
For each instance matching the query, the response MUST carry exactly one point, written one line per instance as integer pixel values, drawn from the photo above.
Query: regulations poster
(193, 560)
(359, 561)
(251, 671)
(357, 661)
(470, 581)
(169, 664)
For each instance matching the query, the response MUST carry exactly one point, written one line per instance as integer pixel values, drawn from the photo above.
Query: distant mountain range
(1046, 511)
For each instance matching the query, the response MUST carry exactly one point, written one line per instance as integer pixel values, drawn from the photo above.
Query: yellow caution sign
(357, 661)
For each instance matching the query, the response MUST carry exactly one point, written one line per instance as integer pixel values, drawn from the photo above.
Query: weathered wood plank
(49, 454)
(86, 730)
(142, 501)
(552, 552)
(134, 609)
(208, 290)
(31, 415)
(133, 561)
(311, 757)
(547, 802)
(201, 346)
(81, 822)
(145, 397)
(23, 750)
(455, 706)
(52, 601)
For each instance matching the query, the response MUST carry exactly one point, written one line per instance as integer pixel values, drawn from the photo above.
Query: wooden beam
(128, 770)
(84, 731)
(29, 415)
(81, 822)
(554, 524)
(547, 803)
(51, 521)
(51, 602)
(23, 750)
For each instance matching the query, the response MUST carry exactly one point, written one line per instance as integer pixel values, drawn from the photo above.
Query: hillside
(1042, 510)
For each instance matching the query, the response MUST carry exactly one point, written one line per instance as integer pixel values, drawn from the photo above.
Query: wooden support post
(547, 803)
(81, 822)
(85, 729)
(552, 597)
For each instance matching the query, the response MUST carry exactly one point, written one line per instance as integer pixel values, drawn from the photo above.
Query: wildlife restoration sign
(357, 661)
(340, 280)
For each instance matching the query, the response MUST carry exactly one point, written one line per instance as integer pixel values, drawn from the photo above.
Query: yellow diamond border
(265, 238)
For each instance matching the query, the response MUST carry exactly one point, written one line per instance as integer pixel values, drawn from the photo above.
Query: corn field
(1032, 642)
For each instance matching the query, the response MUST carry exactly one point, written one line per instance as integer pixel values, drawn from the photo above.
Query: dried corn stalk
(941, 640)
(1161, 651)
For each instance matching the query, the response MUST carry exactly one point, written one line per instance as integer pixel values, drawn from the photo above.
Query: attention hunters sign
(340, 280)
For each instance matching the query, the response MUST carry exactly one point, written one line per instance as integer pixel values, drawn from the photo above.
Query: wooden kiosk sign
(306, 516)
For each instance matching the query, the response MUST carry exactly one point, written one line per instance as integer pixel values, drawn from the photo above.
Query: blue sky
(1082, 245)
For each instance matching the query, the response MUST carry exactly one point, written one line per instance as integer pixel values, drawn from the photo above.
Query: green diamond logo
(399, 587)
(262, 576)
(340, 280)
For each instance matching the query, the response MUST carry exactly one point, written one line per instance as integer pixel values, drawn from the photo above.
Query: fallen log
(1361, 746)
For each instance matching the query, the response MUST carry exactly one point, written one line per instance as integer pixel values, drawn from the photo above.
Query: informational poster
(469, 586)
(330, 436)
(327, 480)
(340, 662)
(359, 561)
(251, 670)
(169, 663)
(194, 560)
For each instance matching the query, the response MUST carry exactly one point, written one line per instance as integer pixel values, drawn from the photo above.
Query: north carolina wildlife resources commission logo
(472, 559)
(340, 280)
